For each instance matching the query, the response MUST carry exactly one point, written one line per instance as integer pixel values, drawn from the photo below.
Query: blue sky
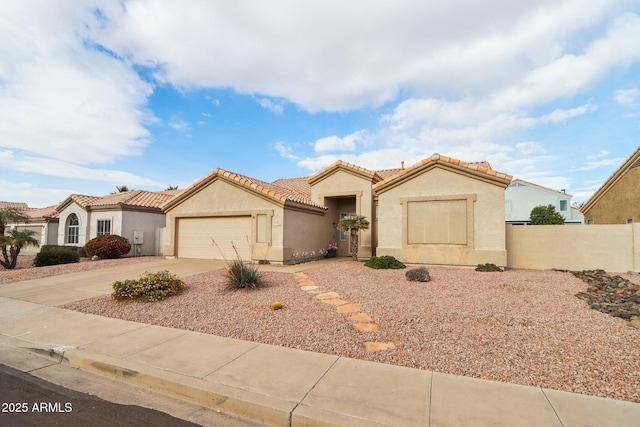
(96, 94)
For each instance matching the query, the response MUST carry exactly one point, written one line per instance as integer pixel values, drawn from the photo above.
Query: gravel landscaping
(521, 326)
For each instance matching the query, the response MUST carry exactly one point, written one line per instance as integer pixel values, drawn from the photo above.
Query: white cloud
(365, 57)
(285, 151)
(57, 168)
(596, 164)
(627, 97)
(335, 143)
(60, 96)
(179, 125)
(276, 107)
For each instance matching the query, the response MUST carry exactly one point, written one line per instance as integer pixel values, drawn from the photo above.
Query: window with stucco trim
(629, 220)
(104, 227)
(261, 229)
(73, 229)
(590, 221)
(437, 222)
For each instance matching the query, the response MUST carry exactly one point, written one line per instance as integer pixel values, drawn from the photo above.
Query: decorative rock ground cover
(361, 321)
(613, 295)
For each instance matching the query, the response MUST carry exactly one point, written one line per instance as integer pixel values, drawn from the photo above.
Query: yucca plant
(240, 274)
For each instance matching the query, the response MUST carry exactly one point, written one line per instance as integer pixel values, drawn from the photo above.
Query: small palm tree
(171, 187)
(353, 224)
(8, 215)
(121, 189)
(15, 240)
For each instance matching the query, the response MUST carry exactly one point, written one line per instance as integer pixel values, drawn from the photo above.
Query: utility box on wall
(138, 237)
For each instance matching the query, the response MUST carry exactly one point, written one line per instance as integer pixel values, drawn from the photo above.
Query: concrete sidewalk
(269, 384)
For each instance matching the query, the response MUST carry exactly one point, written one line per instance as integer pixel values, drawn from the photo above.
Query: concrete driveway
(67, 288)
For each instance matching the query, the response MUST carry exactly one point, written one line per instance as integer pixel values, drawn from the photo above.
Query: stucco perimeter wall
(223, 198)
(345, 183)
(485, 220)
(613, 248)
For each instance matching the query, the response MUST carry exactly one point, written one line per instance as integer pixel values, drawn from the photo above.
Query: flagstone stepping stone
(334, 301)
(328, 295)
(349, 308)
(360, 317)
(308, 288)
(373, 346)
(367, 327)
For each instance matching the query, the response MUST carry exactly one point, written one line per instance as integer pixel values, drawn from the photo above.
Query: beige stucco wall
(83, 219)
(485, 219)
(221, 197)
(614, 248)
(345, 183)
(147, 222)
(306, 232)
(620, 202)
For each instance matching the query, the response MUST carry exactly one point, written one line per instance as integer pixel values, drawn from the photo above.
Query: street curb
(243, 403)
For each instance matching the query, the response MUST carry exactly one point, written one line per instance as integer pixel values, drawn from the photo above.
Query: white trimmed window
(629, 220)
(73, 229)
(564, 205)
(437, 221)
(104, 227)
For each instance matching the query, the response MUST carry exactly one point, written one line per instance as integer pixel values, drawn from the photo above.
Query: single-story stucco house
(135, 215)
(439, 211)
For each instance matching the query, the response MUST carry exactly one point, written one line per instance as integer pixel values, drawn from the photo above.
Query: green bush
(150, 287)
(54, 255)
(243, 275)
(488, 267)
(384, 262)
(107, 246)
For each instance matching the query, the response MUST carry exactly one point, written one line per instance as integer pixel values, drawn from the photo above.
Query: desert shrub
(384, 262)
(420, 274)
(107, 246)
(54, 255)
(243, 275)
(150, 287)
(488, 267)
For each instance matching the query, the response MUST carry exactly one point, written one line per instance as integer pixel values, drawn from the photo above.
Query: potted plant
(332, 249)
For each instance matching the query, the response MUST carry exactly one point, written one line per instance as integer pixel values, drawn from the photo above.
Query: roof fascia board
(461, 170)
(611, 181)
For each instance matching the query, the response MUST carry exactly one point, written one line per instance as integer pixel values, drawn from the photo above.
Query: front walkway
(270, 384)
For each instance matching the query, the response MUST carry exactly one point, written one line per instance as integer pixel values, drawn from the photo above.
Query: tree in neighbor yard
(9, 241)
(353, 224)
(15, 240)
(541, 215)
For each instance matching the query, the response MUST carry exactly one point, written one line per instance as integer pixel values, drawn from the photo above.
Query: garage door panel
(196, 237)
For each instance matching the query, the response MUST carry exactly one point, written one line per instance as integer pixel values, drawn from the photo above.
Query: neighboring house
(617, 201)
(42, 221)
(135, 215)
(440, 211)
(522, 196)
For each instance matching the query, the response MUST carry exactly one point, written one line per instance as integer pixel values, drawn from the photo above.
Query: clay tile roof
(47, 212)
(282, 190)
(476, 166)
(14, 205)
(385, 173)
(134, 198)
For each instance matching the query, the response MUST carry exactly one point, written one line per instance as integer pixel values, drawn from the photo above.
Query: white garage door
(196, 236)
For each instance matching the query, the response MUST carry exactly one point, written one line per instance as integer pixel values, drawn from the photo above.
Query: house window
(437, 221)
(563, 205)
(343, 234)
(590, 221)
(104, 227)
(261, 228)
(73, 229)
(629, 220)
